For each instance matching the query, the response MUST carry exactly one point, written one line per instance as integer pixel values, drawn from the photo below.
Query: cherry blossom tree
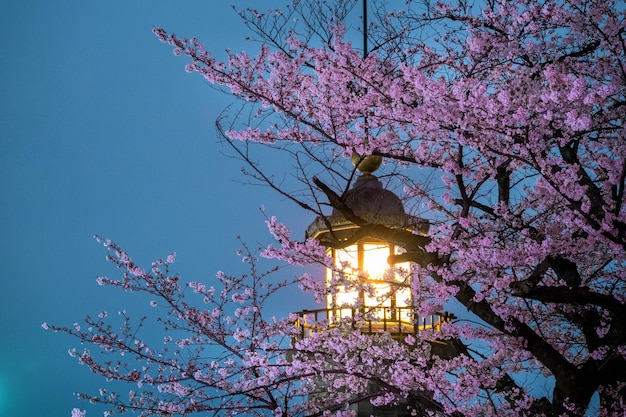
(501, 123)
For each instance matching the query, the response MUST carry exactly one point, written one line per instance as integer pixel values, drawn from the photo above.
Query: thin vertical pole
(365, 51)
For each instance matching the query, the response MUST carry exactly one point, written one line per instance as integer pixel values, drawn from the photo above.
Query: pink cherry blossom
(78, 413)
(501, 126)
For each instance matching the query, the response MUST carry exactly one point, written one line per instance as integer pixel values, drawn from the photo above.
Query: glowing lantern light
(362, 285)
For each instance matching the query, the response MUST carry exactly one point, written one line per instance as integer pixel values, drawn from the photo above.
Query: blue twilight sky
(103, 132)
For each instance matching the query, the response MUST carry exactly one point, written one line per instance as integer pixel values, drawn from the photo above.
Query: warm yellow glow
(375, 264)
(403, 294)
(366, 264)
(375, 260)
(346, 260)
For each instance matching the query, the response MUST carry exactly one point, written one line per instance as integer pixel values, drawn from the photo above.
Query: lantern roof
(368, 197)
(371, 202)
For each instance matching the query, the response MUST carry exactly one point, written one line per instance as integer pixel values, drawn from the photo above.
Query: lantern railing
(397, 321)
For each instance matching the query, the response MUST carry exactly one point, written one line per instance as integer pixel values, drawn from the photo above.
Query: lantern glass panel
(366, 263)
(403, 296)
(375, 265)
(375, 257)
(346, 260)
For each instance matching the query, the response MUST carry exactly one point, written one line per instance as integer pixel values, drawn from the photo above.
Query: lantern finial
(366, 164)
